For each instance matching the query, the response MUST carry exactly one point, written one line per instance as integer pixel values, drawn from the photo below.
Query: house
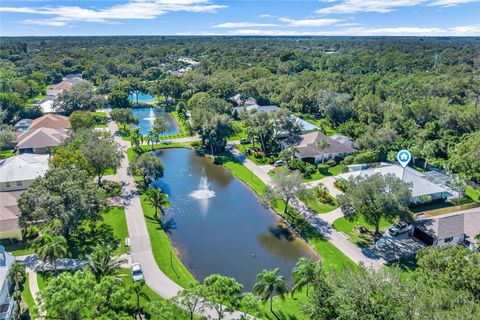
(9, 216)
(423, 190)
(307, 148)
(6, 299)
(39, 141)
(344, 140)
(46, 104)
(54, 121)
(458, 228)
(18, 172)
(240, 101)
(68, 82)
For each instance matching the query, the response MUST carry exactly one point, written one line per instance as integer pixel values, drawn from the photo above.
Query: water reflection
(232, 234)
(146, 118)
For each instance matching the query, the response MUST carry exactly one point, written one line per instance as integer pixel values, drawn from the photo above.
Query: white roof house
(22, 168)
(420, 185)
(6, 300)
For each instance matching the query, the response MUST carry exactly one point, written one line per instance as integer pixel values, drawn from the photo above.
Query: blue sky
(240, 17)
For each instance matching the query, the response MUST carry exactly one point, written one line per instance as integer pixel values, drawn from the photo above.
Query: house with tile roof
(307, 148)
(9, 215)
(40, 140)
(54, 121)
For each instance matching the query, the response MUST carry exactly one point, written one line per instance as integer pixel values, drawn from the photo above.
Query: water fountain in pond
(203, 191)
(151, 116)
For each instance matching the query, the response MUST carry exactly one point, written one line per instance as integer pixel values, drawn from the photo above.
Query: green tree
(213, 128)
(250, 305)
(192, 299)
(158, 200)
(164, 310)
(150, 167)
(286, 186)
(69, 157)
(375, 197)
(464, 156)
(67, 195)
(102, 153)
(323, 144)
(124, 116)
(136, 290)
(160, 126)
(7, 137)
(50, 248)
(118, 99)
(102, 263)
(269, 283)
(304, 274)
(16, 273)
(80, 97)
(82, 120)
(222, 293)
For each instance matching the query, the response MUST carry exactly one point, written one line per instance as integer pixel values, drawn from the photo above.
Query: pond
(219, 225)
(142, 97)
(146, 117)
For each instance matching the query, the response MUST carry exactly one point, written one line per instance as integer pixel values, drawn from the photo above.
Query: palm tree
(17, 274)
(102, 263)
(135, 137)
(323, 144)
(304, 274)
(136, 289)
(50, 248)
(158, 200)
(270, 283)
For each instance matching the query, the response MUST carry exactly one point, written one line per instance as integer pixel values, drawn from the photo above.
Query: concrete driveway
(391, 248)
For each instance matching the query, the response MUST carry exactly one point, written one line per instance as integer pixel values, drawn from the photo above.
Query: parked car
(279, 163)
(137, 273)
(399, 228)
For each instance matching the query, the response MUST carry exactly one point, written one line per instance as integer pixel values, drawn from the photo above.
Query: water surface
(142, 97)
(220, 226)
(146, 117)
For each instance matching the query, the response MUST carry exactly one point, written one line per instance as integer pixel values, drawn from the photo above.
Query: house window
(19, 183)
(8, 184)
(449, 239)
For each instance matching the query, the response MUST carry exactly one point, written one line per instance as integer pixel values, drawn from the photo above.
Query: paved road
(322, 225)
(140, 246)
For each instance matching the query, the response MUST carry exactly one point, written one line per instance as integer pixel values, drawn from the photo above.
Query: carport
(423, 236)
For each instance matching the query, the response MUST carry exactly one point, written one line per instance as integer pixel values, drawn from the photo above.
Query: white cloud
(382, 6)
(467, 30)
(134, 9)
(309, 22)
(354, 6)
(450, 3)
(265, 15)
(243, 25)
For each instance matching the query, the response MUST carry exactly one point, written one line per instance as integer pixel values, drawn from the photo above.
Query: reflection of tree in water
(282, 243)
(212, 171)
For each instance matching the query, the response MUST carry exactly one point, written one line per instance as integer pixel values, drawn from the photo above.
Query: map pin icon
(404, 157)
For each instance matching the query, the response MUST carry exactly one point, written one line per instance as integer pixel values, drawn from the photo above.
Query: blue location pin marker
(404, 157)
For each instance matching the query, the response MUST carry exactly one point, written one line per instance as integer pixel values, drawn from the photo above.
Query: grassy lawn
(29, 299)
(163, 251)
(18, 249)
(239, 131)
(324, 172)
(6, 154)
(348, 228)
(115, 218)
(317, 206)
(243, 149)
(472, 193)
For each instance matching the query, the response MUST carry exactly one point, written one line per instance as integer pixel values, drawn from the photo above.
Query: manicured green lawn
(317, 206)
(324, 172)
(6, 154)
(29, 299)
(239, 131)
(115, 218)
(472, 193)
(163, 251)
(18, 249)
(348, 227)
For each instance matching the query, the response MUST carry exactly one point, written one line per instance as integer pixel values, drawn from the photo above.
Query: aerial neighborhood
(239, 178)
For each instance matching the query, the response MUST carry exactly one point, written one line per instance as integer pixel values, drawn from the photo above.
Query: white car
(279, 163)
(399, 228)
(137, 273)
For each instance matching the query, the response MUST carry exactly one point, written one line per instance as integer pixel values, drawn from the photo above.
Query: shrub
(296, 164)
(341, 184)
(309, 170)
(196, 144)
(112, 188)
(259, 154)
(330, 163)
(321, 193)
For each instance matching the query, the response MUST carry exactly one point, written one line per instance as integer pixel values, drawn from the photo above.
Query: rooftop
(41, 138)
(9, 211)
(307, 146)
(6, 259)
(50, 121)
(23, 167)
(421, 186)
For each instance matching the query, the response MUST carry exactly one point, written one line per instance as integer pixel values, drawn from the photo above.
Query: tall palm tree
(269, 282)
(158, 200)
(17, 274)
(136, 289)
(102, 263)
(304, 274)
(50, 248)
